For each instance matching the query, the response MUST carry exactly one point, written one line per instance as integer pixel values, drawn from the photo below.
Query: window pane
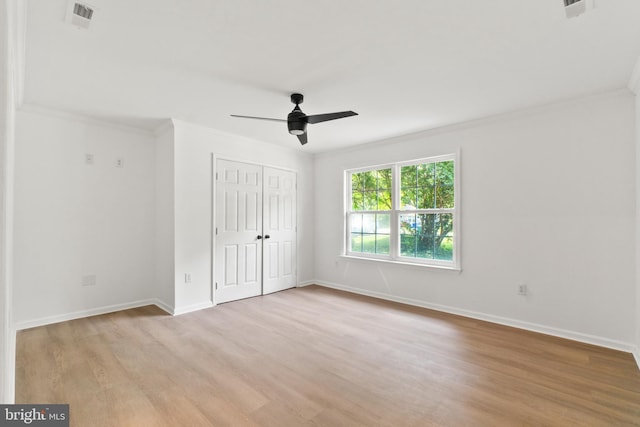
(444, 197)
(369, 179)
(424, 236)
(371, 233)
(369, 223)
(445, 251)
(443, 237)
(408, 235)
(384, 179)
(444, 184)
(357, 195)
(408, 245)
(383, 224)
(370, 200)
(356, 223)
(356, 242)
(356, 182)
(432, 236)
(369, 243)
(371, 190)
(426, 175)
(382, 244)
(408, 198)
(384, 200)
(408, 176)
(444, 173)
(425, 198)
(357, 201)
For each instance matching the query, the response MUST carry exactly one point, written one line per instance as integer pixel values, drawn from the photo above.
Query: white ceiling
(404, 66)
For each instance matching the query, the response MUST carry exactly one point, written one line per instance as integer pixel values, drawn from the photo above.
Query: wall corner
(634, 80)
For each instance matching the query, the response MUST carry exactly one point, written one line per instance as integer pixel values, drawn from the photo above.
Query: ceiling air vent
(574, 7)
(80, 14)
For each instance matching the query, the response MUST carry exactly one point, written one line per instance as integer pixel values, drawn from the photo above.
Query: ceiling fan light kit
(297, 120)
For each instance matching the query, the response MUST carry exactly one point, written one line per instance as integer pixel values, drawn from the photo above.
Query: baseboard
(557, 332)
(84, 313)
(191, 308)
(163, 306)
(9, 389)
(306, 283)
(636, 355)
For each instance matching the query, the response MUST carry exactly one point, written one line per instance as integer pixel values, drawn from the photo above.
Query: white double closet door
(255, 230)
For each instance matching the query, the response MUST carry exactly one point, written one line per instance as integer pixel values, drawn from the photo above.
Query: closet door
(238, 223)
(279, 228)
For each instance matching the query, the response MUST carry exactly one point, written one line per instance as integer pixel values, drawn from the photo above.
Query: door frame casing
(214, 170)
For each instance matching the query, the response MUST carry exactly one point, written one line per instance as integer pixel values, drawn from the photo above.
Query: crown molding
(165, 126)
(232, 136)
(478, 122)
(61, 114)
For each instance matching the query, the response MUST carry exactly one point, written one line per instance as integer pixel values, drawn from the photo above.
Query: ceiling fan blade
(258, 118)
(303, 138)
(317, 118)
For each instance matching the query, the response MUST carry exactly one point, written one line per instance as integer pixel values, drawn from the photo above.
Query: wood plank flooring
(319, 357)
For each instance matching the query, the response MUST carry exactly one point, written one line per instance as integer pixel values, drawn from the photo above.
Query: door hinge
(216, 231)
(216, 286)
(216, 176)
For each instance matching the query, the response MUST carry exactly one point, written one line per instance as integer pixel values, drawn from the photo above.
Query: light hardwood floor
(315, 356)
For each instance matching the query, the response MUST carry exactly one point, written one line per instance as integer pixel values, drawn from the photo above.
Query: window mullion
(395, 204)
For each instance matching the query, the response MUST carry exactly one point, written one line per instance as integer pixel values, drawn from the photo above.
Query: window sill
(402, 263)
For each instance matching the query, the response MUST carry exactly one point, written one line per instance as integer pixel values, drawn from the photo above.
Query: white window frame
(394, 239)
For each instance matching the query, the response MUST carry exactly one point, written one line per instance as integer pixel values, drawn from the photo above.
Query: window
(404, 212)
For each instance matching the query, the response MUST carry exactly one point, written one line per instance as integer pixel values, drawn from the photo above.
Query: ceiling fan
(297, 120)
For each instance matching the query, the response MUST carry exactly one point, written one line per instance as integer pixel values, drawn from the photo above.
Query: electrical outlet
(187, 277)
(522, 289)
(88, 159)
(120, 162)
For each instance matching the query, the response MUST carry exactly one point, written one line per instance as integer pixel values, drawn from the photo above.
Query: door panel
(238, 251)
(280, 225)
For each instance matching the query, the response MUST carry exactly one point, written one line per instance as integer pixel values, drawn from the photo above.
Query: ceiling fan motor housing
(296, 122)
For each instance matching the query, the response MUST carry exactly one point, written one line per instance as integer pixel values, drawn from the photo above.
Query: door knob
(259, 237)
(266, 236)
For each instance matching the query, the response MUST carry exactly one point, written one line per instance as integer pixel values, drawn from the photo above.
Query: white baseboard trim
(191, 308)
(636, 355)
(306, 283)
(547, 330)
(26, 324)
(163, 306)
(9, 389)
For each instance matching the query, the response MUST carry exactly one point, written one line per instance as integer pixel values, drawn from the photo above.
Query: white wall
(164, 286)
(74, 219)
(547, 199)
(7, 106)
(634, 85)
(637, 224)
(12, 30)
(194, 146)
